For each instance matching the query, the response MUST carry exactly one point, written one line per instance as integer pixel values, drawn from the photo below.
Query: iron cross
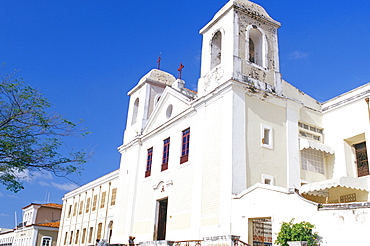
(180, 70)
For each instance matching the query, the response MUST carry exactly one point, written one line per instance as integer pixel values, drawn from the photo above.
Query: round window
(169, 111)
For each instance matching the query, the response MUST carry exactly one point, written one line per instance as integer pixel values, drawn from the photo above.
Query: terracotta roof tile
(52, 205)
(50, 224)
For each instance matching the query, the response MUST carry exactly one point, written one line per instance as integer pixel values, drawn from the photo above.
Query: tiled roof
(52, 205)
(50, 224)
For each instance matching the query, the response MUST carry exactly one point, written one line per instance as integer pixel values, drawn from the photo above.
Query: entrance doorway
(262, 231)
(162, 219)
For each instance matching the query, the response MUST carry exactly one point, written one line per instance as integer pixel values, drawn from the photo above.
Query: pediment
(171, 104)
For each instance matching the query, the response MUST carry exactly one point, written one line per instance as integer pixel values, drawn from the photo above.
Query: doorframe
(156, 224)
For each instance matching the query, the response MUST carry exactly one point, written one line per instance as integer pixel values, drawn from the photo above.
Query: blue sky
(86, 55)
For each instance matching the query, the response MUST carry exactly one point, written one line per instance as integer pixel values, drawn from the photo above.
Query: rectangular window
(90, 234)
(65, 238)
(185, 146)
(77, 234)
(312, 160)
(81, 207)
(69, 211)
(149, 162)
(46, 241)
(102, 201)
(361, 159)
(94, 203)
(166, 154)
(266, 135)
(262, 231)
(114, 195)
(71, 238)
(83, 236)
(87, 205)
(98, 236)
(75, 209)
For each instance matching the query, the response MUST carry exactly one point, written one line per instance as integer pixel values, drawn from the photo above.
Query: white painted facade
(260, 150)
(88, 212)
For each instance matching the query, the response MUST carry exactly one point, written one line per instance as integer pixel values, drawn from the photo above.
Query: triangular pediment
(171, 104)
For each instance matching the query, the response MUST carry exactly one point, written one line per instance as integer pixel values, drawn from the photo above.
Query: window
(94, 203)
(46, 241)
(261, 231)
(185, 146)
(361, 159)
(71, 237)
(266, 135)
(90, 234)
(256, 51)
(98, 236)
(83, 236)
(75, 209)
(135, 111)
(69, 211)
(216, 49)
(77, 234)
(114, 194)
(87, 205)
(267, 179)
(149, 162)
(251, 50)
(102, 201)
(166, 153)
(81, 207)
(169, 111)
(65, 238)
(312, 160)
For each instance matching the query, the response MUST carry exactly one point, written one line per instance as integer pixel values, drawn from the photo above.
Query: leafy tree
(290, 231)
(31, 137)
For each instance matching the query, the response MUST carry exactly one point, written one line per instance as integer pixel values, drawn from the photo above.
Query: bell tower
(240, 43)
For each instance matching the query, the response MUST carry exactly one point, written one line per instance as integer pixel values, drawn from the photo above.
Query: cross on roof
(180, 70)
(159, 62)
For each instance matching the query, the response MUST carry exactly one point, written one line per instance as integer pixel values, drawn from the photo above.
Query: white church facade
(245, 153)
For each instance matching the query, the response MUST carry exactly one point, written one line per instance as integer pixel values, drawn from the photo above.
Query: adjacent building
(89, 212)
(39, 226)
(244, 153)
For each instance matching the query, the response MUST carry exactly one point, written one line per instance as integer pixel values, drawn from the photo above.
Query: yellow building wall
(262, 160)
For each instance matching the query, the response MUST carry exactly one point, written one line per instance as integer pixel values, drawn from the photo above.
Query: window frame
(102, 199)
(50, 240)
(269, 143)
(114, 197)
(185, 145)
(166, 154)
(149, 162)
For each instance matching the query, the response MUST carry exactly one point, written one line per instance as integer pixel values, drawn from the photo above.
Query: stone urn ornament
(298, 243)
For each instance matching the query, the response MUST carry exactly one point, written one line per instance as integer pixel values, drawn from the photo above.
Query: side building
(39, 226)
(89, 212)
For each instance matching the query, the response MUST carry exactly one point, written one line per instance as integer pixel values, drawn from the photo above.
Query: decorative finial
(180, 70)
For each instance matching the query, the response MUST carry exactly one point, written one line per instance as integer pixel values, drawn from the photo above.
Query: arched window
(135, 111)
(216, 49)
(256, 47)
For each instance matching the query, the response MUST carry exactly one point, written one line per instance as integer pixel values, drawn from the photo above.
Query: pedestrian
(131, 241)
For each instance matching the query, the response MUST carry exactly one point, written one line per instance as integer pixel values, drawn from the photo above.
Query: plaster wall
(45, 214)
(346, 122)
(260, 159)
(333, 226)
